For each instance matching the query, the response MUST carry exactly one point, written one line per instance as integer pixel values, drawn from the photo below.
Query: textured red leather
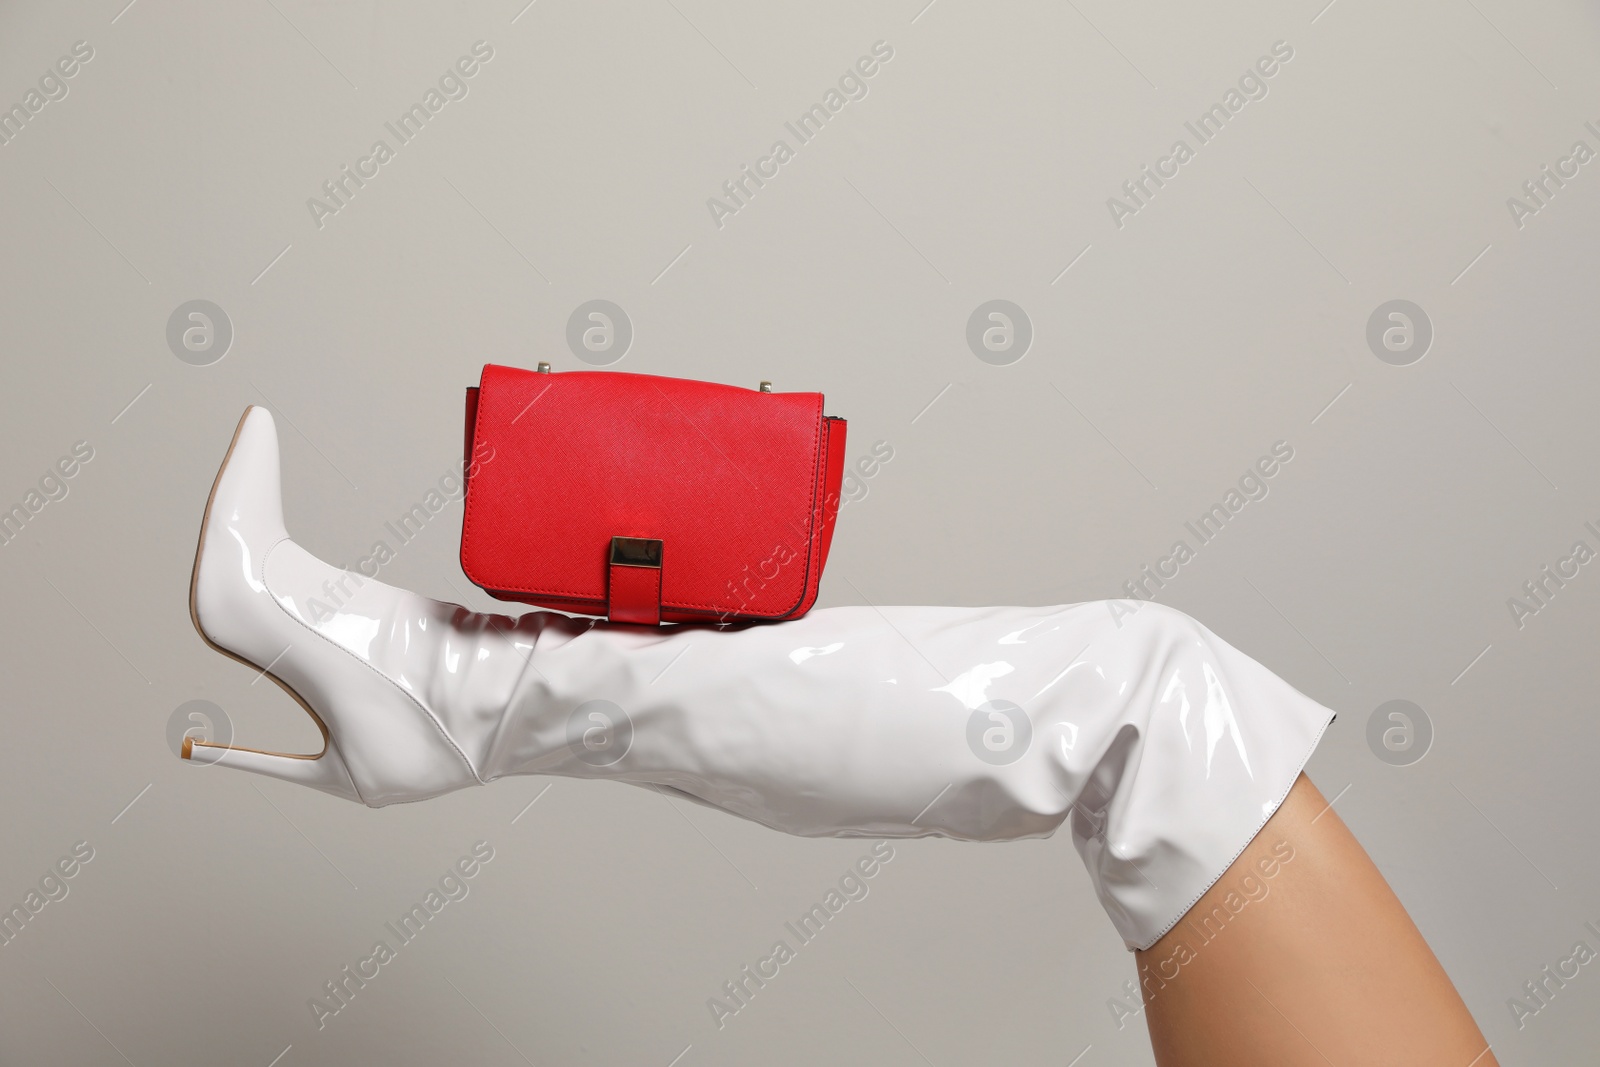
(742, 487)
(634, 594)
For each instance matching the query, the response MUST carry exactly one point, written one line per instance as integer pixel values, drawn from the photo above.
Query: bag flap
(727, 478)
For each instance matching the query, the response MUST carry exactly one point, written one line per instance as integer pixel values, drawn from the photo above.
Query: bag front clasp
(636, 552)
(633, 586)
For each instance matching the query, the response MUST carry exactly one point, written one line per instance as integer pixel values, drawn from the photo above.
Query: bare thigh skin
(1302, 955)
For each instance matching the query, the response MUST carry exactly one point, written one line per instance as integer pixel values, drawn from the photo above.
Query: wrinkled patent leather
(1168, 748)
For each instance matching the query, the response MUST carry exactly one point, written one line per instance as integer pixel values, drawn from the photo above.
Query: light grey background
(1229, 313)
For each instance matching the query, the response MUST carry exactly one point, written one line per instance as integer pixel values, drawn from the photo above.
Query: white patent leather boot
(1168, 748)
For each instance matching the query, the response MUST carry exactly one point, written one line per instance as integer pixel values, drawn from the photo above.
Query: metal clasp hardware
(766, 387)
(544, 368)
(636, 552)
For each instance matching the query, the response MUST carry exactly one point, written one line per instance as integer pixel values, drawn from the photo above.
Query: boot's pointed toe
(243, 521)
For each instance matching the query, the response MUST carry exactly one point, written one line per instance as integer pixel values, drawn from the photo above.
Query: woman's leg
(1302, 955)
(1162, 747)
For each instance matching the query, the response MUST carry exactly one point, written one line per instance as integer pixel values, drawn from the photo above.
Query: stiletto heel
(326, 771)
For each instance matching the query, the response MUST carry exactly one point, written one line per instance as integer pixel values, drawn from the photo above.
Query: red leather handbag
(648, 499)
